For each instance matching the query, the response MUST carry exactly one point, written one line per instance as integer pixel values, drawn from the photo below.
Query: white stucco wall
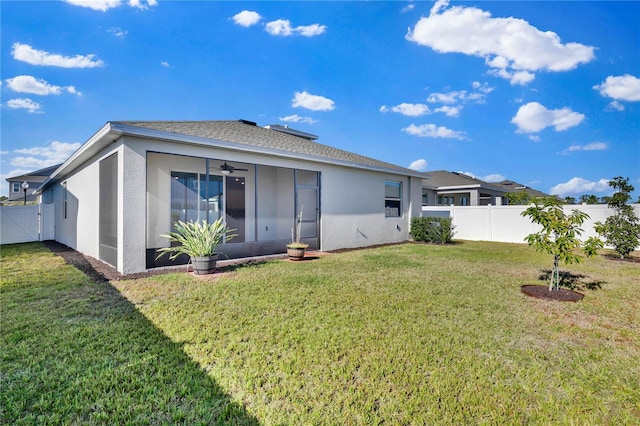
(352, 207)
(79, 230)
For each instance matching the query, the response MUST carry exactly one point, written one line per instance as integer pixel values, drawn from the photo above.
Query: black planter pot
(204, 265)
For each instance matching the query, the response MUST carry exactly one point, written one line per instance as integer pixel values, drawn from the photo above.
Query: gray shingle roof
(250, 135)
(440, 178)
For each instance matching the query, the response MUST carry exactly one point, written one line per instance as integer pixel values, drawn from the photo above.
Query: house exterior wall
(353, 208)
(79, 228)
(352, 201)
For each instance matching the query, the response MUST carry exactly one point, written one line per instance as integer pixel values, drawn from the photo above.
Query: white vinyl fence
(22, 224)
(505, 223)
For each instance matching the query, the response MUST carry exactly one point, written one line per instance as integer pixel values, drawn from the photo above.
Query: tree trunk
(553, 285)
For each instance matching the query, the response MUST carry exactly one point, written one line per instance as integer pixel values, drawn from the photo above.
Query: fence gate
(23, 224)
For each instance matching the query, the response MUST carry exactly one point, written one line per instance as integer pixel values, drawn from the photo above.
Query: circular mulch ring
(543, 292)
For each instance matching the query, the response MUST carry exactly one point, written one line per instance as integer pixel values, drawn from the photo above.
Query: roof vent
(250, 123)
(294, 132)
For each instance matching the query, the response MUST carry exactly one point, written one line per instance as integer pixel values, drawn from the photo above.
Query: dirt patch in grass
(543, 292)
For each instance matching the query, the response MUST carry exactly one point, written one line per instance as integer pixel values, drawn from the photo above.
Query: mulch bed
(543, 292)
(99, 271)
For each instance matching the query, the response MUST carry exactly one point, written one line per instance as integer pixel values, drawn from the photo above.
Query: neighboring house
(443, 188)
(34, 179)
(131, 181)
(511, 186)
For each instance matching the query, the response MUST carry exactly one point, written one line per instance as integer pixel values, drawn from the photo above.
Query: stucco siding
(79, 229)
(353, 209)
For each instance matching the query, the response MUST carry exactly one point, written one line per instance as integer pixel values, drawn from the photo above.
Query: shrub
(432, 229)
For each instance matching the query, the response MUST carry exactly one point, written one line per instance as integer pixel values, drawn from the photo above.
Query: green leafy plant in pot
(296, 248)
(198, 240)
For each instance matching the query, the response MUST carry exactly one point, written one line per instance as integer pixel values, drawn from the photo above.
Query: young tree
(569, 200)
(559, 235)
(621, 230)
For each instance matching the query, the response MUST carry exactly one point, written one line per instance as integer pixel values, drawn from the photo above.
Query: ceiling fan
(227, 169)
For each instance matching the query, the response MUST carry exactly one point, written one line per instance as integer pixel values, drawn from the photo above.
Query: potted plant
(198, 240)
(296, 248)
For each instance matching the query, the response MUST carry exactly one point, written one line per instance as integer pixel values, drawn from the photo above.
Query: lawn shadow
(571, 281)
(106, 363)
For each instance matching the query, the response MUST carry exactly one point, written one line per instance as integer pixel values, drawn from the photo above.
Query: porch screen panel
(210, 198)
(308, 201)
(236, 207)
(108, 210)
(194, 199)
(184, 197)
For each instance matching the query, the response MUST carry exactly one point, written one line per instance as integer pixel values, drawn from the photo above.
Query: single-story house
(444, 188)
(132, 180)
(33, 179)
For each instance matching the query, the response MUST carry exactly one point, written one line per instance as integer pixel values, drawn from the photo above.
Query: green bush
(432, 229)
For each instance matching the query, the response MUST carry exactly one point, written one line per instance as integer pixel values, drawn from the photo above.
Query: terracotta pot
(204, 265)
(295, 253)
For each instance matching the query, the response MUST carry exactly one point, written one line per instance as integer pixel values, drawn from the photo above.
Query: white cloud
(26, 53)
(625, 88)
(101, 5)
(533, 117)
(45, 156)
(165, 64)
(419, 165)
(30, 84)
(615, 106)
(593, 146)
(141, 4)
(535, 138)
(312, 102)
(282, 27)
(410, 110)
(118, 32)
(449, 110)
(295, 118)
(433, 131)
(24, 103)
(104, 5)
(511, 47)
(246, 18)
(408, 8)
(578, 185)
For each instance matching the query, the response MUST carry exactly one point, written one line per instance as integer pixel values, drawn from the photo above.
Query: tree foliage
(560, 234)
(622, 229)
(518, 198)
(589, 199)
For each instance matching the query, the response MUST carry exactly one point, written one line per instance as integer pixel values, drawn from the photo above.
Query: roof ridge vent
(250, 123)
(289, 130)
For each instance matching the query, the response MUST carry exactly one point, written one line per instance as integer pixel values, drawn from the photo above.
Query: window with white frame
(392, 199)
(15, 187)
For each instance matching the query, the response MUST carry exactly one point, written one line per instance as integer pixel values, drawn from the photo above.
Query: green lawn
(405, 334)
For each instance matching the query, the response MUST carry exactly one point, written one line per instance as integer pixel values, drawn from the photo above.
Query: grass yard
(406, 334)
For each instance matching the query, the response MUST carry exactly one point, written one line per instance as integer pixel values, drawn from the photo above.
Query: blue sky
(543, 93)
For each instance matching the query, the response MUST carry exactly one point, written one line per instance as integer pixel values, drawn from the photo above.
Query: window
(425, 198)
(464, 201)
(392, 199)
(16, 187)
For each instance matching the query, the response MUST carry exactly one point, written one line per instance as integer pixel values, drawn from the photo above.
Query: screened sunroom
(259, 201)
